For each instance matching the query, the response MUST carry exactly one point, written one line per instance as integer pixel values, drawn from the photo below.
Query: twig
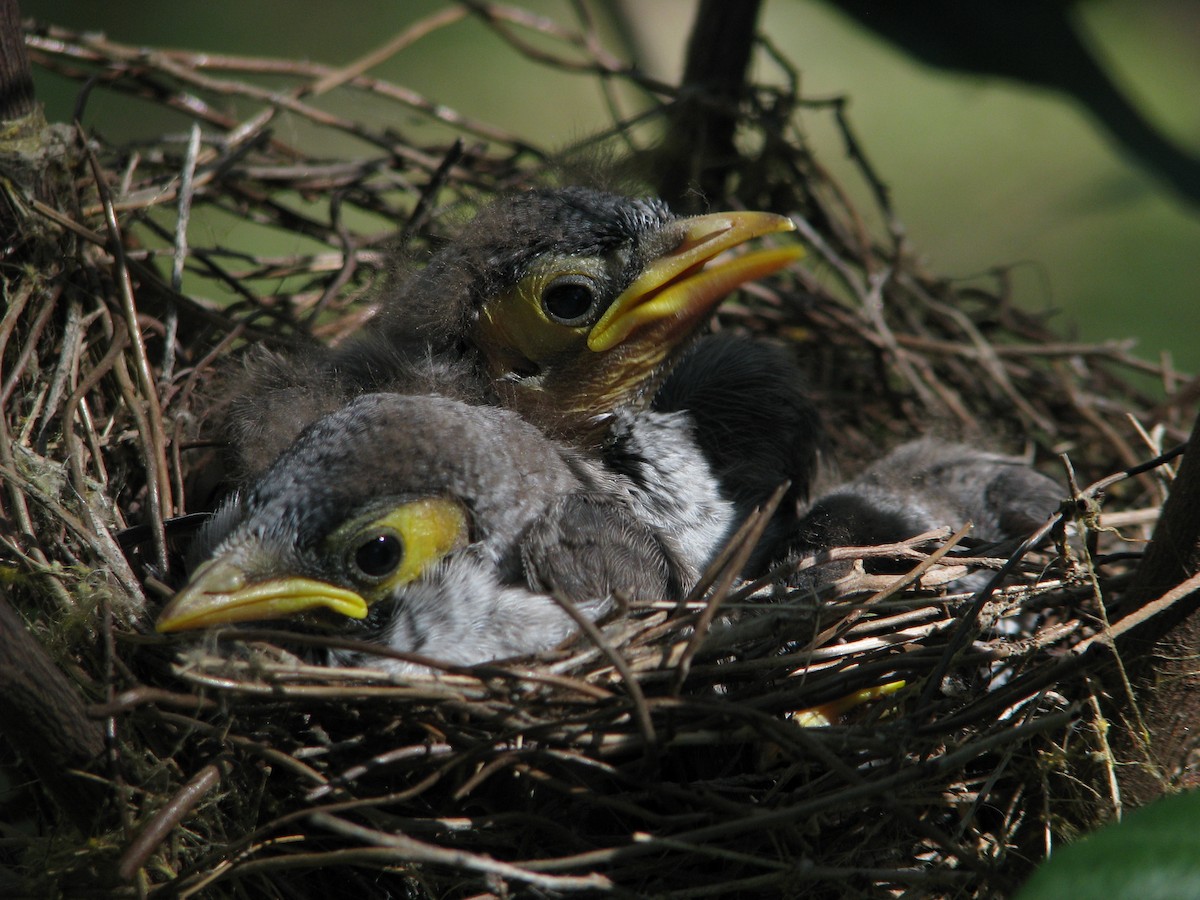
(164, 821)
(409, 850)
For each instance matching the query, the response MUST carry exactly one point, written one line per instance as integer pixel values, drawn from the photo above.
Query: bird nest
(875, 733)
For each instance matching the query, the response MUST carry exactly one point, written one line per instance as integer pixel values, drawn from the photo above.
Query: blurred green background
(983, 172)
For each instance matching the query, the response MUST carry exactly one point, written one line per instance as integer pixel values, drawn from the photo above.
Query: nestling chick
(432, 527)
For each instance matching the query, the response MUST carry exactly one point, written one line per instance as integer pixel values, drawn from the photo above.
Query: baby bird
(429, 526)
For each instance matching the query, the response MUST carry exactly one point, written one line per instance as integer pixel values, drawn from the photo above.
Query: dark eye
(379, 555)
(569, 300)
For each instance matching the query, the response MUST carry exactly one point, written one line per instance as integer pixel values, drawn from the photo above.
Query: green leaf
(1153, 854)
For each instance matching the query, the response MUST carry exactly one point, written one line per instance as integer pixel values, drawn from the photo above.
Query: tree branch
(43, 717)
(698, 151)
(16, 78)
(1162, 654)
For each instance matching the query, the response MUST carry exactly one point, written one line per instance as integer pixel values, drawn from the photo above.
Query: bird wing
(589, 548)
(923, 485)
(755, 424)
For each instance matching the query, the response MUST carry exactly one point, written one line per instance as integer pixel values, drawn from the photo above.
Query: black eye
(380, 555)
(569, 300)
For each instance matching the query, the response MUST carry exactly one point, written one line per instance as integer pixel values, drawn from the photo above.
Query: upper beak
(221, 593)
(677, 290)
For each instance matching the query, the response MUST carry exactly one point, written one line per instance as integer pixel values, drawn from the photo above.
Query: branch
(43, 717)
(698, 151)
(16, 78)
(1161, 653)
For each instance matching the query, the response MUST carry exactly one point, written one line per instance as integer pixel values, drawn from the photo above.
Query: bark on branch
(16, 79)
(1162, 654)
(698, 150)
(44, 719)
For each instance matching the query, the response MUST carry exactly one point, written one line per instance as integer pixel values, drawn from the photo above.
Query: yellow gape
(384, 553)
(367, 560)
(545, 315)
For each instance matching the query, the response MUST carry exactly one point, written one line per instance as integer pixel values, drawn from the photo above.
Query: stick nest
(672, 752)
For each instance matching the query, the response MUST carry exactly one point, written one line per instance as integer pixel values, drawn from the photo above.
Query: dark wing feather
(754, 423)
(928, 484)
(589, 548)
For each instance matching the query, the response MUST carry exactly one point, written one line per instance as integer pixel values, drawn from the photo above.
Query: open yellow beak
(220, 593)
(677, 290)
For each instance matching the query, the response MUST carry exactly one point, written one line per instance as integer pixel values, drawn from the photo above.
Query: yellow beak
(220, 593)
(676, 290)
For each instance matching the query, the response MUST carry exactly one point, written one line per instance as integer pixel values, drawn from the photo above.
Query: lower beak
(220, 593)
